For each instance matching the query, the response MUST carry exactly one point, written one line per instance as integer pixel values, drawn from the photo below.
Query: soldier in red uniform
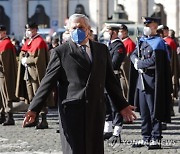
(8, 72)
(174, 62)
(33, 60)
(127, 41)
(130, 47)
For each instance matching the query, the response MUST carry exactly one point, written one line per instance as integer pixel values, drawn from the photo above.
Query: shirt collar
(112, 41)
(87, 44)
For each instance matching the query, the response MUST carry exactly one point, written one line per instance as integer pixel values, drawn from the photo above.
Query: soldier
(150, 84)
(8, 72)
(118, 53)
(33, 60)
(130, 46)
(174, 61)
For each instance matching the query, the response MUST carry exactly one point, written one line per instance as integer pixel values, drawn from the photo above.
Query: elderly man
(83, 69)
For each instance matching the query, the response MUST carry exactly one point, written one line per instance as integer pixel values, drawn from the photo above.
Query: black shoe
(154, 145)
(114, 139)
(172, 113)
(2, 118)
(42, 125)
(107, 135)
(140, 143)
(9, 122)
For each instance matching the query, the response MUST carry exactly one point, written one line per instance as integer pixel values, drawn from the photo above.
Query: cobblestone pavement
(18, 140)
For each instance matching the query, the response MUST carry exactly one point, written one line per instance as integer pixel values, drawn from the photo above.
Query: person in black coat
(152, 84)
(81, 90)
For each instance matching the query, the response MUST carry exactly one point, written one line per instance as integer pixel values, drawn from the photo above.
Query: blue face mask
(78, 36)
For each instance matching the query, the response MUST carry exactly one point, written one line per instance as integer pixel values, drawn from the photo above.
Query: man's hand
(128, 113)
(29, 118)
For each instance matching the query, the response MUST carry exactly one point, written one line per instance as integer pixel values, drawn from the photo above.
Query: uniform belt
(116, 72)
(150, 68)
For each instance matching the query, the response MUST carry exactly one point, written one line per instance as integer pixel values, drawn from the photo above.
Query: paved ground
(18, 140)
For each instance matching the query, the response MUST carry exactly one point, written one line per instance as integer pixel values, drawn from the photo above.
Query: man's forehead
(121, 30)
(78, 23)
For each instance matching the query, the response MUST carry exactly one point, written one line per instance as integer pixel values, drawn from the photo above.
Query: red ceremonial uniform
(36, 51)
(171, 43)
(8, 72)
(129, 45)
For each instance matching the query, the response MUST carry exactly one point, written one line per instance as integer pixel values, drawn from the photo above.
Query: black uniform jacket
(157, 76)
(117, 52)
(81, 103)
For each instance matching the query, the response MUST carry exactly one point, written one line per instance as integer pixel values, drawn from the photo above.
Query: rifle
(139, 57)
(26, 68)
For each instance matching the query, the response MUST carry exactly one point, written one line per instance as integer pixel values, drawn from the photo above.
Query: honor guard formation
(96, 88)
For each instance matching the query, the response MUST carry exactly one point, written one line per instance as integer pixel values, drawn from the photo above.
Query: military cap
(163, 27)
(148, 20)
(2, 28)
(31, 25)
(112, 27)
(123, 27)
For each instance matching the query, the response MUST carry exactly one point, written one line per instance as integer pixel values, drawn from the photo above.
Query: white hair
(77, 16)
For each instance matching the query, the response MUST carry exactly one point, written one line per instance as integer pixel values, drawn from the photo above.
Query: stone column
(172, 14)
(98, 14)
(19, 17)
(177, 17)
(55, 23)
(62, 11)
(134, 10)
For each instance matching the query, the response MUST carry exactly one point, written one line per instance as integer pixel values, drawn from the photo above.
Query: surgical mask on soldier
(28, 34)
(120, 35)
(147, 31)
(106, 35)
(78, 35)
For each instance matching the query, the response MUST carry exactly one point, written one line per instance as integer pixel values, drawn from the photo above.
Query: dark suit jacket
(81, 103)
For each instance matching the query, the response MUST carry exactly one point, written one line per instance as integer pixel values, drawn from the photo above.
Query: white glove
(140, 71)
(23, 61)
(135, 63)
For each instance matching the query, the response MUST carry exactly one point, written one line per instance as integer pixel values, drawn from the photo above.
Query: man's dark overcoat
(81, 103)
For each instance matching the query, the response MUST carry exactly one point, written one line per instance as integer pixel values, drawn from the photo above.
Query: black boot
(2, 118)
(114, 140)
(9, 120)
(154, 144)
(43, 124)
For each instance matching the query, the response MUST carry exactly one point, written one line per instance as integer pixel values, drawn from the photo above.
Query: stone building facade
(99, 11)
